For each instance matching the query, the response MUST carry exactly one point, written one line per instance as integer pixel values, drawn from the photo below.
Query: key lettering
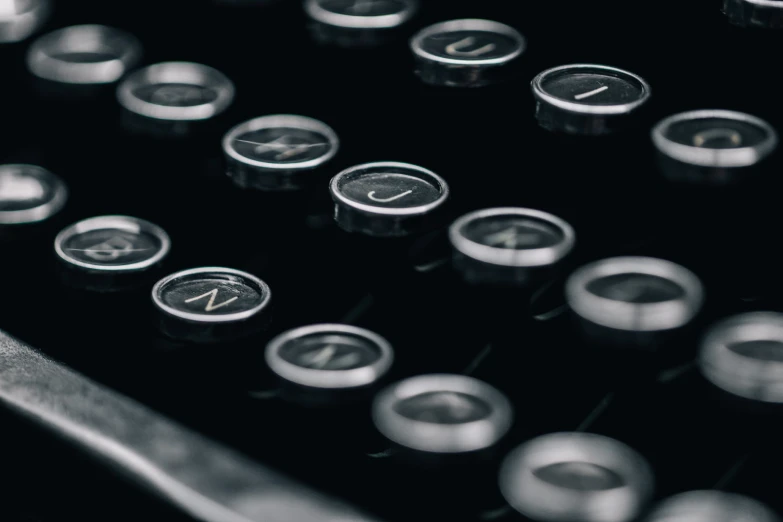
(591, 93)
(372, 196)
(211, 303)
(456, 48)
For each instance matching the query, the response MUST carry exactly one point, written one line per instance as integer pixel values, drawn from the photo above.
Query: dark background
(484, 142)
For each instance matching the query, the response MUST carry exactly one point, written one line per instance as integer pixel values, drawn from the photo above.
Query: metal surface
(206, 480)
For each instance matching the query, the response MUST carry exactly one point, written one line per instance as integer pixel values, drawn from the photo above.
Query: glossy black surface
(487, 145)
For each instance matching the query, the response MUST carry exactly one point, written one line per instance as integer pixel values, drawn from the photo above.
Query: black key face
(211, 294)
(513, 232)
(636, 288)
(23, 188)
(390, 190)
(85, 56)
(762, 350)
(443, 407)
(470, 45)
(282, 145)
(580, 476)
(716, 133)
(364, 7)
(176, 94)
(112, 247)
(330, 352)
(592, 88)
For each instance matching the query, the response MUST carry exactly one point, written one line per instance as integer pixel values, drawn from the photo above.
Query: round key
(29, 194)
(637, 294)
(21, 18)
(358, 23)
(84, 54)
(743, 355)
(329, 357)
(508, 245)
(712, 146)
(710, 506)
(211, 304)
(466, 53)
(442, 413)
(386, 198)
(175, 93)
(755, 13)
(278, 152)
(587, 99)
(108, 253)
(576, 476)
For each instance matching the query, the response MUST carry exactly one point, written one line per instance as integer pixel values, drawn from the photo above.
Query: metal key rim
(442, 438)
(177, 72)
(244, 277)
(583, 108)
(534, 497)
(739, 374)
(43, 211)
(468, 24)
(277, 121)
(335, 186)
(20, 26)
(512, 257)
(330, 379)
(704, 157)
(120, 222)
(713, 504)
(75, 39)
(640, 317)
(314, 9)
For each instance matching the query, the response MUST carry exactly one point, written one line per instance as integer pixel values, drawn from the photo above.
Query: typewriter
(389, 260)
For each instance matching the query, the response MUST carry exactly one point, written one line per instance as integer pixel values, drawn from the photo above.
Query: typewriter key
(466, 53)
(710, 506)
(210, 304)
(743, 355)
(170, 96)
(587, 99)
(29, 194)
(576, 476)
(21, 18)
(386, 198)
(108, 253)
(712, 146)
(329, 358)
(84, 54)
(356, 23)
(442, 413)
(755, 13)
(508, 246)
(278, 152)
(636, 294)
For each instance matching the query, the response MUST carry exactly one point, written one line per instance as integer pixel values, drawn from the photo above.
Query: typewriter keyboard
(391, 260)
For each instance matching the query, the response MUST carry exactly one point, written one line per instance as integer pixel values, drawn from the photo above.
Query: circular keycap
(333, 356)
(110, 252)
(358, 23)
(21, 18)
(278, 152)
(84, 54)
(710, 506)
(576, 476)
(466, 53)
(386, 198)
(211, 304)
(29, 194)
(639, 294)
(755, 13)
(506, 245)
(743, 355)
(712, 145)
(587, 99)
(442, 413)
(176, 91)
